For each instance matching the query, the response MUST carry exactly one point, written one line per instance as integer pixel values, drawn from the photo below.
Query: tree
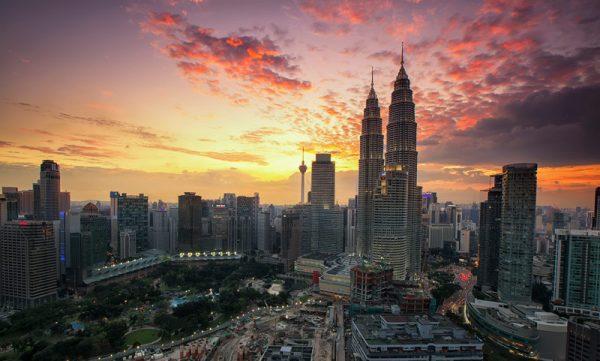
(114, 333)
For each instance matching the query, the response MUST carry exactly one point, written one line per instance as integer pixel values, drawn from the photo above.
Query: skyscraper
(401, 149)
(370, 166)
(517, 247)
(390, 241)
(489, 235)
(577, 271)
(302, 168)
(129, 213)
(49, 190)
(322, 191)
(247, 223)
(28, 267)
(189, 222)
(327, 220)
(597, 209)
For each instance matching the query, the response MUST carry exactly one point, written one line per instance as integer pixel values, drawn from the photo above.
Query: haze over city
(164, 97)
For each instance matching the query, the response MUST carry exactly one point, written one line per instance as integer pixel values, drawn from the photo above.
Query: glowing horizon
(214, 97)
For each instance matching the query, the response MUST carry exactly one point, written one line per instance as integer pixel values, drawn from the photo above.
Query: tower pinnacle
(302, 168)
(372, 94)
(402, 73)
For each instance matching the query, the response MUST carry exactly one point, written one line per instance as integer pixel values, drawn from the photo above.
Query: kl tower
(302, 169)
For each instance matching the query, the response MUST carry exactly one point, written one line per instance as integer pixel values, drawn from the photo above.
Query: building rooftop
(410, 330)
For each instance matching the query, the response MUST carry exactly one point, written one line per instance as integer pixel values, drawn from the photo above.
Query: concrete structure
(583, 341)
(265, 232)
(26, 202)
(577, 272)
(389, 229)
(313, 262)
(322, 188)
(370, 166)
(489, 235)
(400, 337)
(517, 246)
(189, 222)
(371, 283)
(327, 234)
(49, 184)
(224, 227)
(336, 281)
(302, 168)
(64, 202)
(350, 224)
(596, 216)
(131, 213)
(401, 149)
(247, 223)
(440, 233)
(522, 329)
(159, 229)
(127, 243)
(295, 234)
(290, 350)
(28, 263)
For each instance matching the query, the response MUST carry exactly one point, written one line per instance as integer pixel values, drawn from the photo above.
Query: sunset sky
(220, 96)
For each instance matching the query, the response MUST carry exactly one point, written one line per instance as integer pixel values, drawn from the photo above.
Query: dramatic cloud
(553, 128)
(257, 63)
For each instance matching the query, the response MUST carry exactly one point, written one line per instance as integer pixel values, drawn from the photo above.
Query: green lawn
(142, 337)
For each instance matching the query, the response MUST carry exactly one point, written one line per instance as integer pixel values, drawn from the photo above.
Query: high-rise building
(28, 267)
(327, 220)
(489, 235)
(159, 231)
(322, 191)
(190, 222)
(401, 149)
(26, 202)
(49, 190)
(350, 228)
(517, 246)
(597, 209)
(95, 236)
(129, 213)
(577, 271)
(370, 167)
(64, 202)
(37, 201)
(128, 243)
(9, 208)
(583, 339)
(13, 199)
(247, 223)
(389, 228)
(224, 227)
(295, 234)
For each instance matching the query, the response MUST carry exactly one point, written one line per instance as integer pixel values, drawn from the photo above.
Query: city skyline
(233, 111)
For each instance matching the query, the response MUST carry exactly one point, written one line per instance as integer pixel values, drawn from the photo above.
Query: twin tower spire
(377, 236)
(401, 75)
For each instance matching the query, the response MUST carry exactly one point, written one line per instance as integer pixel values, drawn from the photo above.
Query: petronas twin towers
(388, 197)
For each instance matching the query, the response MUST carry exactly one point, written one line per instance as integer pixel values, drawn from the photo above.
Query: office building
(577, 272)
(439, 234)
(322, 191)
(350, 220)
(583, 339)
(37, 202)
(389, 229)
(9, 208)
(265, 232)
(95, 236)
(28, 268)
(13, 202)
(401, 337)
(224, 227)
(327, 235)
(295, 234)
(490, 219)
(64, 202)
(401, 149)
(189, 222)
(49, 190)
(159, 229)
(517, 246)
(247, 223)
(128, 243)
(26, 202)
(129, 213)
(370, 166)
(596, 221)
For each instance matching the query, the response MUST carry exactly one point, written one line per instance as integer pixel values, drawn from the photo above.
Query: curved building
(370, 166)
